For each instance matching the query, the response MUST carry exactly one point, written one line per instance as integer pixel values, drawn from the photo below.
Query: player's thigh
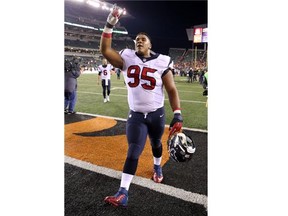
(156, 124)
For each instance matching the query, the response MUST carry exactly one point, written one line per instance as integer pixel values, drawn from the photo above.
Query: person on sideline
(145, 73)
(190, 74)
(105, 74)
(72, 71)
(118, 72)
(205, 86)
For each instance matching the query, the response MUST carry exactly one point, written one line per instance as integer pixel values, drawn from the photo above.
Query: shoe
(65, 111)
(71, 112)
(157, 176)
(108, 99)
(105, 100)
(119, 199)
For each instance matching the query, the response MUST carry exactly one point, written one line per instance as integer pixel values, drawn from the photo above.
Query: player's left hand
(176, 124)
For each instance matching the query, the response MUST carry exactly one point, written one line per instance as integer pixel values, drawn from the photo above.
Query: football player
(145, 74)
(105, 74)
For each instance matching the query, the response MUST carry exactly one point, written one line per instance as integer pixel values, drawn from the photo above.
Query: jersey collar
(145, 59)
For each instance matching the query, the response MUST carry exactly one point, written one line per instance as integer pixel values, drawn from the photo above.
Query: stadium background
(85, 142)
(242, 113)
(84, 23)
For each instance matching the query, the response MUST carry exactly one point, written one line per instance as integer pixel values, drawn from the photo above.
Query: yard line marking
(190, 101)
(121, 119)
(191, 91)
(187, 101)
(144, 182)
(114, 88)
(101, 93)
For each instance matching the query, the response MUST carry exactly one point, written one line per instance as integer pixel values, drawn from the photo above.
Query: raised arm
(106, 38)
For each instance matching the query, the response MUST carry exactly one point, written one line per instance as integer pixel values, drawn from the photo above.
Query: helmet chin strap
(180, 147)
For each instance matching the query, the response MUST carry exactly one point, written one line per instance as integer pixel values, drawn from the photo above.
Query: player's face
(142, 45)
(104, 61)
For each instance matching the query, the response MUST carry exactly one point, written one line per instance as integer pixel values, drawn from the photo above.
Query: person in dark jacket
(205, 85)
(72, 72)
(190, 74)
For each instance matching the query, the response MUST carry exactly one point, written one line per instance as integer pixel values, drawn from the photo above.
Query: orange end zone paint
(107, 151)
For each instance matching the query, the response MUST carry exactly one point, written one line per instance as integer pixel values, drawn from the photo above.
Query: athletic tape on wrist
(107, 30)
(178, 110)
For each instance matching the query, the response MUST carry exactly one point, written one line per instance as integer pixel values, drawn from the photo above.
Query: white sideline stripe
(188, 101)
(121, 119)
(144, 182)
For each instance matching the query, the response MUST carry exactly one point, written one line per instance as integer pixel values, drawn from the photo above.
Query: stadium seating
(82, 33)
(83, 28)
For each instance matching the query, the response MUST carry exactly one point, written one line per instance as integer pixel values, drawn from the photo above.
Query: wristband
(108, 25)
(107, 30)
(106, 35)
(178, 110)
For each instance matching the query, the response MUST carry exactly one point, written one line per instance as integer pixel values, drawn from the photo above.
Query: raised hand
(115, 15)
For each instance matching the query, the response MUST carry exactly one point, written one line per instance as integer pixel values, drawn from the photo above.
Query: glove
(176, 124)
(115, 15)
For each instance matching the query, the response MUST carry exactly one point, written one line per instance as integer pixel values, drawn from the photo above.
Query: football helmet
(180, 147)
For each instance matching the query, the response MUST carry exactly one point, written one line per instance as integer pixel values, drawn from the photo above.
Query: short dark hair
(144, 33)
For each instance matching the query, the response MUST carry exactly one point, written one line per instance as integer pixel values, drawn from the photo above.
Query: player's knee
(156, 143)
(134, 152)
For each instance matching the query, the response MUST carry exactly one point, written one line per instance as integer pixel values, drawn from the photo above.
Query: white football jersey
(143, 78)
(105, 72)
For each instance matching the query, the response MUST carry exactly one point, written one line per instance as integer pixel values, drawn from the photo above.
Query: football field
(90, 100)
(95, 149)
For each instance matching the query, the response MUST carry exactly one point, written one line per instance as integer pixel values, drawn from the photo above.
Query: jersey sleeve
(125, 55)
(169, 66)
(99, 70)
(112, 67)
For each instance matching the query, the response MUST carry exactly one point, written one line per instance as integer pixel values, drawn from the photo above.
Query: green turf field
(90, 100)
